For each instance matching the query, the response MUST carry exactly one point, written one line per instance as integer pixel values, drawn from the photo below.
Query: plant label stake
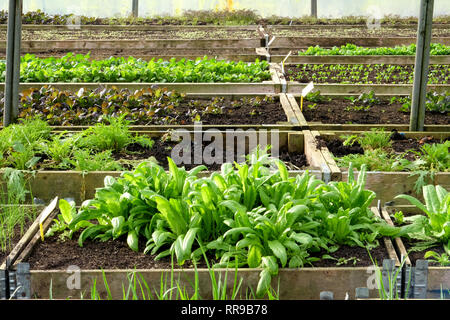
(49, 209)
(284, 61)
(305, 91)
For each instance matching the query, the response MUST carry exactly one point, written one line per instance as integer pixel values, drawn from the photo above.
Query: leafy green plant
(250, 214)
(364, 101)
(316, 97)
(354, 50)
(442, 259)
(434, 227)
(80, 68)
(114, 136)
(84, 160)
(13, 215)
(435, 102)
(370, 140)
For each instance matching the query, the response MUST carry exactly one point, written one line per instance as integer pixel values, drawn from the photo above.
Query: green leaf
(279, 251)
(117, 224)
(270, 263)
(254, 256)
(66, 210)
(133, 241)
(264, 283)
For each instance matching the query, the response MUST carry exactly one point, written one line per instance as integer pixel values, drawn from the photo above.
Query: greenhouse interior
(234, 150)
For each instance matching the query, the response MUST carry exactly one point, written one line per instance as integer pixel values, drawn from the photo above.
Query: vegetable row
(157, 106)
(364, 74)
(354, 50)
(80, 68)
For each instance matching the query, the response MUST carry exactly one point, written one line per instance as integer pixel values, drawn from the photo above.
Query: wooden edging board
(296, 88)
(266, 87)
(388, 59)
(387, 185)
(302, 42)
(140, 44)
(46, 185)
(293, 284)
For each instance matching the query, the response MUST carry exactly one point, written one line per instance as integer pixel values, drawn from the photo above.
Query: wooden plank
(387, 185)
(29, 234)
(302, 27)
(296, 142)
(331, 127)
(144, 27)
(294, 105)
(298, 42)
(274, 73)
(387, 241)
(336, 174)
(314, 156)
(288, 110)
(140, 44)
(294, 284)
(266, 87)
(356, 89)
(438, 281)
(394, 60)
(37, 237)
(398, 241)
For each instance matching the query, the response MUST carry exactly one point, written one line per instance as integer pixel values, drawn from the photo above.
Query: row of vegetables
(81, 68)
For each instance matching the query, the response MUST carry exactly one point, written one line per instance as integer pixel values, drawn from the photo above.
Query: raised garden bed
(200, 76)
(363, 74)
(127, 33)
(369, 108)
(151, 107)
(399, 179)
(55, 175)
(354, 31)
(99, 266)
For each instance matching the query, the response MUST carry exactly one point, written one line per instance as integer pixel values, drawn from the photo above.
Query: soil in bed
(161, 150)
(54, 254)
(86, 34)
(400, 145)
(209, 111)
(341, 111)
(134, 154)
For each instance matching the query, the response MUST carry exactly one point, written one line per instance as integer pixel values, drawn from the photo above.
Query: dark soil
(400, 145)
(161, 150)
(55, 254)
(214, 111)
(340, 111)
